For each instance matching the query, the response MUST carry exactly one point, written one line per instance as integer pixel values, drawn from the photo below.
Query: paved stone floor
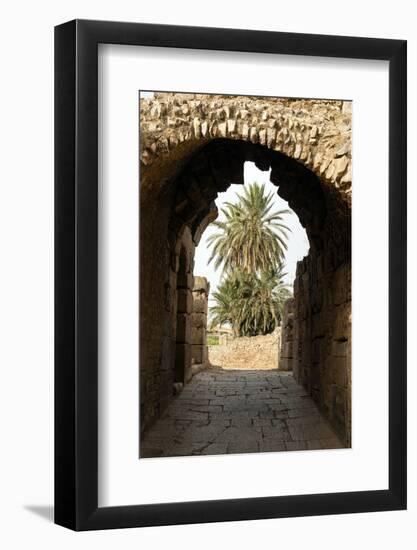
(239, 411)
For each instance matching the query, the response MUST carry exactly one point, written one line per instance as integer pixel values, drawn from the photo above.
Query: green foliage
(251, 236)
(250, 246)
(212, 340)
(252, 304)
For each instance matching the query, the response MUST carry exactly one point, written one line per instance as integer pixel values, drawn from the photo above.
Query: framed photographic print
(230, 275)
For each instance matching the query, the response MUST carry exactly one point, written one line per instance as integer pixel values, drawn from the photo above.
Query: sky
(298, 244)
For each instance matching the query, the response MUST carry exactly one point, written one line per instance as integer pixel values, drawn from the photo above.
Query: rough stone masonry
(248, 352)
(193, 146)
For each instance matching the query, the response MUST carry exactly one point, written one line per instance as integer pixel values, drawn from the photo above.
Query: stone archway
(194, 146)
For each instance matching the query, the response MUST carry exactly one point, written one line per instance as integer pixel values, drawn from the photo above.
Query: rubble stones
(255, 352)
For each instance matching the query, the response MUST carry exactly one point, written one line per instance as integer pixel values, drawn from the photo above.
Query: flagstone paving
(239, 411)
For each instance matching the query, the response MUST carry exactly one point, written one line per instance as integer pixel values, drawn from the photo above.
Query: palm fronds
(252, 304)
(250, 237)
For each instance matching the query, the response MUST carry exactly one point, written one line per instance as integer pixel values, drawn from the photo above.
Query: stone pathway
(239, 411)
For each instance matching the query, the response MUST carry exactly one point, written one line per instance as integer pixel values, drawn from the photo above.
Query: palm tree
(224, 310)
(251, 237)
(251, 303)
(261, 302)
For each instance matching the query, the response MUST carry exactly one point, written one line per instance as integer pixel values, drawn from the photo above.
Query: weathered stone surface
(185, 301)
(200, 302)
(201, 284)
(286, 350)
(256, 352)
(209, 417)
(306, 129)
(182, 353)
(342, 285)
(342, 322)
(183, 328)
(198, 334)
(322, 334)
(199, 353)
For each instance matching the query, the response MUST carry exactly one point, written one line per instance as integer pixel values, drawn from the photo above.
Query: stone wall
(182, 314)
(322, 338)
(287, 324)
(255, 352)
(316, 338)
(199, 354)
(157, 300)
(165, 311)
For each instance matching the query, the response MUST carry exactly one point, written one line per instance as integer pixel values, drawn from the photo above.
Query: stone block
(199, 353)
(185, 280)
(320, 267)
(296, 285)
(201, 284)
(183, 328)
(175, 261)
(339, 369)
(340, 348)
(339, 411)
(200, 304)
(318, 350)
(215, 449)
(296, 445)
(168, 352)
(342, 285)
(319, 324)
(188, 373)
(198, 320)
(306, 281)
(198, 335)
(184, 301)
(286, 350)
(288, 306)
(327, 287)
(285, 364)
(342, 322)
(182, 361)
(317, 298)
(249, 446)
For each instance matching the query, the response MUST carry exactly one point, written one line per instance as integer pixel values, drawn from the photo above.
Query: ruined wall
(316, 337)
(157, 341)
(199, 353)
(317, 133)
(166, 285)
(255, 352)
(181, 315)
(287, 324)
(322, 338)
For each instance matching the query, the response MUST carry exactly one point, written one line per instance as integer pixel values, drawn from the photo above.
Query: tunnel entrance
(178, 192)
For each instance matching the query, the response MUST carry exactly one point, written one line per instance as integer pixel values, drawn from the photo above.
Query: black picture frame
(76, 272)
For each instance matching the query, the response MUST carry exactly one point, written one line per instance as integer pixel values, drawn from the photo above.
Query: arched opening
(178, 202)
(244, 321)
